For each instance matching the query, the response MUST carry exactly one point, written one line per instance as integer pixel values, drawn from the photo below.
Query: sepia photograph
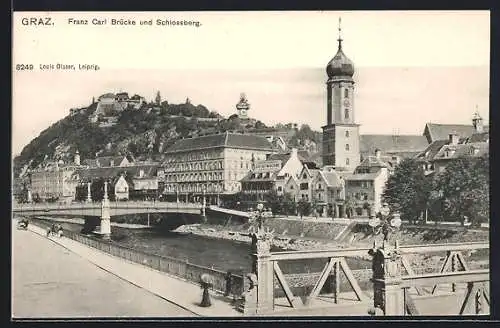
(250, 164)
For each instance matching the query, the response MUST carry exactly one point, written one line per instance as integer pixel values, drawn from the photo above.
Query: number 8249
(24, 67)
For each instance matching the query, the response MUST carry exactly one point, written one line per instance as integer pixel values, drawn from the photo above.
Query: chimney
(141, 173)
(294, 152)
(453, 138)
(377, 153)
(112, 162)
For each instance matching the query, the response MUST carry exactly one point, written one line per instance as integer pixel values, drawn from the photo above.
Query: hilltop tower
(341, 133)
(242, 107)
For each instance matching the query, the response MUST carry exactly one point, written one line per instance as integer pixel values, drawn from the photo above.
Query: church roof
(392, 143)
(434, 131)
(227, 140)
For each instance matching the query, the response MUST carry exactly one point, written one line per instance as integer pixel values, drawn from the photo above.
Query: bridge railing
(331, 277)
(226, 283)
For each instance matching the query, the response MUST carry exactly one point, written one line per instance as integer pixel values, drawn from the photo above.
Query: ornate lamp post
(262, 267)
(384, 223)
(386, 265)
(105, 215)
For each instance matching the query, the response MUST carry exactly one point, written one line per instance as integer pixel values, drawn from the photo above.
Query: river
(225, 255)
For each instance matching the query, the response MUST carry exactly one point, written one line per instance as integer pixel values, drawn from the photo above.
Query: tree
(463, 190)
(408, 190)
(274, 201)
(260, 125)
(304, 208)
(289, 205)
(350, 203)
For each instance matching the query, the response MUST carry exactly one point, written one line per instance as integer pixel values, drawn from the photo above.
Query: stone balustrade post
(387, 292)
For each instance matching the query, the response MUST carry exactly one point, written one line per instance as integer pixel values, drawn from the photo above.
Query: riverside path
(57, 283)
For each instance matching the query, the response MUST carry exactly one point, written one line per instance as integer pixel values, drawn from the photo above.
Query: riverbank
(281, 241)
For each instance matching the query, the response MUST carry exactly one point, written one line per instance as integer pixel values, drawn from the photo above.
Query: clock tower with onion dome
(341, 134)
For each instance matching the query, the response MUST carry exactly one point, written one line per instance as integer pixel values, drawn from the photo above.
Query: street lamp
(384, 223)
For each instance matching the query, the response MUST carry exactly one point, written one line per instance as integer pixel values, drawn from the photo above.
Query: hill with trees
(143, 133)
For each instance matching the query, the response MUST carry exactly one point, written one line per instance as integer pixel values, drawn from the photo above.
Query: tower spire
(340, 33)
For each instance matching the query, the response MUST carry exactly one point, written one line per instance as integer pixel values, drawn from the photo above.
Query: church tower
(341, 134)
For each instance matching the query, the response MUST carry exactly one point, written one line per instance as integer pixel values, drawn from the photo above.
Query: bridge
(115, 208)
(107, 209)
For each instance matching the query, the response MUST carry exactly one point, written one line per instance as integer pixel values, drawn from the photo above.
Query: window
(291, 187)
(279, 188)
(346, 146)
(347, 161)
(304, 186)
(346, 93)
(347, 134)
(346, 113)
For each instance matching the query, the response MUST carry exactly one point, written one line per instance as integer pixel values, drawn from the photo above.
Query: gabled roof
(462, 150)
(227, 140)
(332, 179)
(431, 151)
(442, 131)
(391, 143)
(292, 179)
(311, 172)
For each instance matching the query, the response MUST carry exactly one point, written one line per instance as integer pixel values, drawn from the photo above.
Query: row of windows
(194, 177)
(214, 165)
(194, 156)
(363, 184)
(198, 187)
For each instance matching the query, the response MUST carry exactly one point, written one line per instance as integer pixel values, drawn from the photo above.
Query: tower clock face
(347, 103)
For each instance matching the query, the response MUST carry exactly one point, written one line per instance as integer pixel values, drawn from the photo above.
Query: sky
(411, 67)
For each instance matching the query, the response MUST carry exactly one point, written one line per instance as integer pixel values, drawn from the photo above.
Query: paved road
(49, 281)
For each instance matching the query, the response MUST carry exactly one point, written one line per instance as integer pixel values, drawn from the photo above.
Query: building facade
(52, 180)
(271, 174)
(212, 164)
